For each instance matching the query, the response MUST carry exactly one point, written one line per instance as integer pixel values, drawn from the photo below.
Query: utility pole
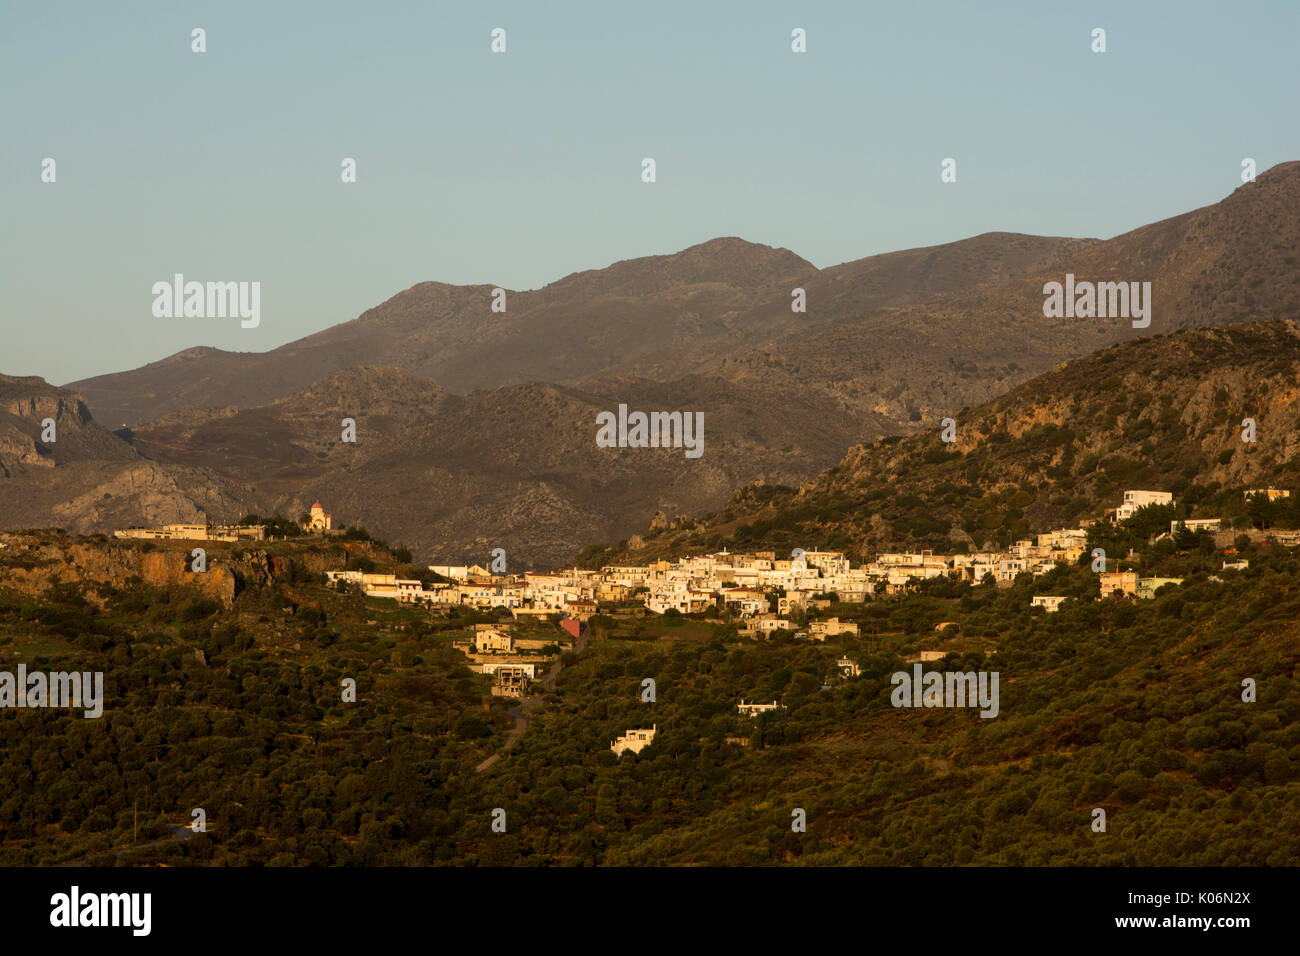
(135, 824)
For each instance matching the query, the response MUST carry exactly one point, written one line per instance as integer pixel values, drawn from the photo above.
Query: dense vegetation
(1131, 707)
(239, 713)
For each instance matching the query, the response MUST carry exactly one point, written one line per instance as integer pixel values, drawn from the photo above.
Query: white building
(1063, 538)
(318, 520)
(1050, 601)
(820, 630)
(635, 740)
(1196, 524)
(195, 532)
(528, 670)
(766, 625)
(490, 641)
(746, 601)
(1011, 568)
(1134, 500)
(828, 562)
(409, 591)
(629, 576)
(753, 710)
(453, 571)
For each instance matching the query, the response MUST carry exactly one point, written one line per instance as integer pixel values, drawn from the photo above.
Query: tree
(1184, 538)
(1130, 786)
(470, 727)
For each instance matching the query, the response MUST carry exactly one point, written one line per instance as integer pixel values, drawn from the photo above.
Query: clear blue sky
(519, 168)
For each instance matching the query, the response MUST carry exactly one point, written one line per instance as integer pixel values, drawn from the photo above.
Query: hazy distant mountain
(1231, 262)
(909, 334)
(643, 316)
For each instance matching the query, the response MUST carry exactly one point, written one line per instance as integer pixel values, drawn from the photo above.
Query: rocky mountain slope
(1230, 262)
(1164, 413)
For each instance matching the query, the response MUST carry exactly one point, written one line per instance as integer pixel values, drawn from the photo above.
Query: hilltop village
(761, 590)
(764, 593)
(759, 593)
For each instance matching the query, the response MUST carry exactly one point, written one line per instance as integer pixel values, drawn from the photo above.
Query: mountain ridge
(642, 313)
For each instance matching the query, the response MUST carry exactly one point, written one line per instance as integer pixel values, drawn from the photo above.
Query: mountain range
(475, 429)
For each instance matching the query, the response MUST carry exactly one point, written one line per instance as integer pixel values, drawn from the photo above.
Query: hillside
(453, 476)
(235, 706)
(516, 468)
(1162, 413)
(87, 478)
(224, 690)
(26, 404)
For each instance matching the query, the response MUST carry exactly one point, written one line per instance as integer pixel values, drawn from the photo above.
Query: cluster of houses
(511, 661)
(1129, 583)
(569, 593)
(743, 582)
(761, 590)
(1136, 500)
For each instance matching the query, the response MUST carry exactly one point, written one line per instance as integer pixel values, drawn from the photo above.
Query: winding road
(530, 705)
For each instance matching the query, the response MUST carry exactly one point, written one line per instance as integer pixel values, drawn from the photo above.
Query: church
(318, 520)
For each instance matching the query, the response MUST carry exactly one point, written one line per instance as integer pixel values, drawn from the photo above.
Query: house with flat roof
(832, 626)
(489, 640)
(753, 710)
(1136, 500)
(510, 680)
(1051, 602)
(1117, 583)
(635, 740)
(1196, 524)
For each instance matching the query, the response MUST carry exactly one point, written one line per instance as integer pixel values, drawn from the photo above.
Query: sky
(518, 168)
